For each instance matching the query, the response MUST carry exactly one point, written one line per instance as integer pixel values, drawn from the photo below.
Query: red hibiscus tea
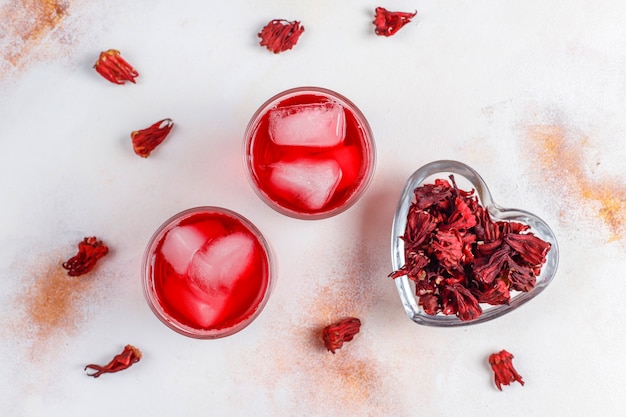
(309, 153)
(207, 272)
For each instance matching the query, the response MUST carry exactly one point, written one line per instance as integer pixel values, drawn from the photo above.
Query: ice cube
(308, 181)
(179, 245)
(316, 125)
(219, 264)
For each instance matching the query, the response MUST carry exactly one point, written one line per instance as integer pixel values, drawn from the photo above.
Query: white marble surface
(532, 95)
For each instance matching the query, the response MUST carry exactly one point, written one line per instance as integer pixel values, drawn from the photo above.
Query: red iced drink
(309, 153)
(207, 272)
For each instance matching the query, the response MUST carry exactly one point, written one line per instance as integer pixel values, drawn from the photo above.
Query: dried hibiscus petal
(335, 335)
(458, 257)
(114, 68)
(89, 251)
(497, 293)
(388, 23)
(124, 360)
(504, 372)
(280, 35)
(146, 140)
(532, 249)
(456, 299)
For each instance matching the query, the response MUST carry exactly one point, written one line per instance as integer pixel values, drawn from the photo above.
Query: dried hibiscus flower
(146, 140)
(388, 23)
(504, 372)
(89, 251)
(124, 360)
(458, 257)
(114, 68)
(335, 335)
(280, 35)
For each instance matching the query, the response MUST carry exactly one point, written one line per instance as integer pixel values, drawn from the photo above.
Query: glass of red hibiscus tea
(207, 272)
(309, 153)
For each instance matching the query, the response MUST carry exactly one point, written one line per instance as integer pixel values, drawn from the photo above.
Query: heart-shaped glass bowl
(466, 179)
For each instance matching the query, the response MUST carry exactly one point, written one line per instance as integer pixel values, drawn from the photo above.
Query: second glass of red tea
(207, 272)
(309, 153)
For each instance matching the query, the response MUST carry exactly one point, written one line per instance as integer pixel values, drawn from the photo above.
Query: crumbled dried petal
(146, 140)
(114, 68)
(124, 360)
(504, 372)
(335, 335)
(459, 257)
(388, 23)
(89, 251)
(430, 303)
(280, 35)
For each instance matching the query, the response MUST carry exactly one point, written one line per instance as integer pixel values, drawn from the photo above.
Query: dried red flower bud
(532, 249)
(114, 68)
(280, 35)
(335, 335)
(144, 141)
(388, 23)
(522, 278)
(462, 217)
(487, 269)
(124, 360)
(460, 301)
(448, 249)
(420, 225)
(498, 293)
(89, 251)
(504, 372)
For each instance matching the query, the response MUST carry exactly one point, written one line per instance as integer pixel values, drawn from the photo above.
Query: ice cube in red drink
(182, 242)
(221, 262)
(207, 272)
(319, 125)
(305, 182)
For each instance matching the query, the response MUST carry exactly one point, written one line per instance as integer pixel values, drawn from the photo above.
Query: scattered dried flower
(114, 68)
(458, 257)
(335, 335)
(124, 360)
(388, 23)
(504, 372)
(280, 35)
(146, 140)
(89, 251)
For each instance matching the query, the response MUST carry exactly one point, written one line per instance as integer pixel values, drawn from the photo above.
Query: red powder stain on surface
(24, 24)
(49, 305)
(297, 366)
(560, 155)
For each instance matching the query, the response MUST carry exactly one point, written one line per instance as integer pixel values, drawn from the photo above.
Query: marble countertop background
(532, 95)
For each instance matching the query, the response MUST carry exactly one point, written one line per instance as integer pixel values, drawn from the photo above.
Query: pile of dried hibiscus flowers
(458, 257)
